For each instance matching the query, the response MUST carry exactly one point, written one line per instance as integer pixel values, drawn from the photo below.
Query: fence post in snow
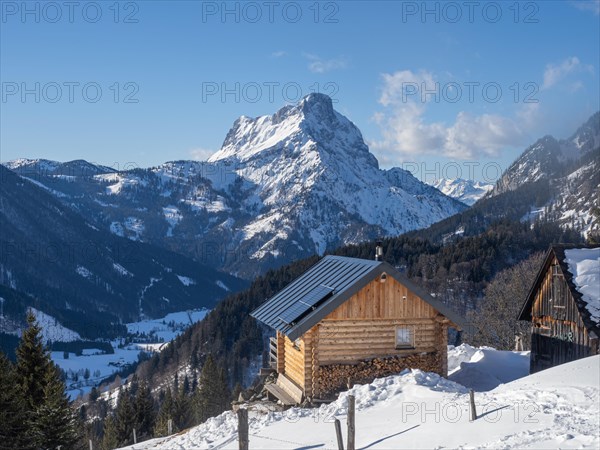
(243, 428)
(338, 433)
(351, 427)
(472, 402)
(170, 427)
(134, 437)
(91, 445)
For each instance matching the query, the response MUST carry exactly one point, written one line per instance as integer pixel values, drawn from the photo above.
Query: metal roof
(345, 276)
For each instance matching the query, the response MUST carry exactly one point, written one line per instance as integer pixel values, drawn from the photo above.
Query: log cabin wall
(294, 360)
(358, 339)
(558, 333)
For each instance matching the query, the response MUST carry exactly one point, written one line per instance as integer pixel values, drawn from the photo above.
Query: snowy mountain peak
(282, 187)
(465, 191)
(548, 156)
(311, 125)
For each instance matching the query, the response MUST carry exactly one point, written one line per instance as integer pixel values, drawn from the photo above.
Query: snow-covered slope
(466, 191)
(565, 177)
(558, 407)
(548, 156)
(42, 167)
(282, 187)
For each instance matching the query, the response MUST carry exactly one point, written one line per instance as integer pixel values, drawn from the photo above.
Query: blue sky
(141, 83)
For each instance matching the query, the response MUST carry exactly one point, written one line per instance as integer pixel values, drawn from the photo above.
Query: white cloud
(278, 54)
(317, 64)
(588, 5)
(201, 154)
(406, 132)
(554, 73)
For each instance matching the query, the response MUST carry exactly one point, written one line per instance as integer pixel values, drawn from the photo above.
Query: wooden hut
(349, 320)
(564, 307)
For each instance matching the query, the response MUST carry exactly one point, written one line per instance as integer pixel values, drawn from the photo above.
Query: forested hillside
(456, 272)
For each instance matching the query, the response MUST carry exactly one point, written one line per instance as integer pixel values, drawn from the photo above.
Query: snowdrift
(555, 408)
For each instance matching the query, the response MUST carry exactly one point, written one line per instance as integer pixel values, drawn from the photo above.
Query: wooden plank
(375, 321)
(290, 388)
(280, 394)
(381, 300)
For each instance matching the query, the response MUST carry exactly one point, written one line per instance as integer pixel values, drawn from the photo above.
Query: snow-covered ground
(555, 408)
(145, 336)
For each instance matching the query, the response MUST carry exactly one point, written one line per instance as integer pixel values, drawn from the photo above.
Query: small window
(405, 337)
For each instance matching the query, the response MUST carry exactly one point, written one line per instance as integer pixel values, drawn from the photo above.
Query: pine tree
(110, 439)
(124, 418)
(49, 417)
(56, 424)
(13, 431)
(166, 413)
(213, 396)
(145, 414)
(32, 364)
(182, 410)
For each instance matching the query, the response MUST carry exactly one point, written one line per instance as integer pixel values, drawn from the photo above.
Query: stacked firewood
(334, 378)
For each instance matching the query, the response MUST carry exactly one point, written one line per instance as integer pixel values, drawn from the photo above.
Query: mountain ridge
(282, 187)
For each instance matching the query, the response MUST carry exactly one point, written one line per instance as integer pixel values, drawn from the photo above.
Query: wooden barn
(564, 307)
(349, 320)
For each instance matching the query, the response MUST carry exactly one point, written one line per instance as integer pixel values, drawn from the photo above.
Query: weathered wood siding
(558, 333)
(365, 325)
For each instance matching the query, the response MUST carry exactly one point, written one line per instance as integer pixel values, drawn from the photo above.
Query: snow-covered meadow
(144, 336)
(558, 407)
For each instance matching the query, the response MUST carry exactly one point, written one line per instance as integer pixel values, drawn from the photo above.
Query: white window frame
(408, 337)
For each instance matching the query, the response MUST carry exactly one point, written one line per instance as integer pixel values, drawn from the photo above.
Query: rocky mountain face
(90, 280)
(571, 170)
(465, 191)
(282, 187)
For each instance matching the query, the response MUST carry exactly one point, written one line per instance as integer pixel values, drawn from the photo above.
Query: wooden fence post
(472, 402)
(134, 437)
(243, 428)
(91, 445)
(338, 433)
(351, 424)
(170, 427)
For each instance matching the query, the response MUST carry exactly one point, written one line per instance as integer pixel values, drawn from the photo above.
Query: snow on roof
(584, 264)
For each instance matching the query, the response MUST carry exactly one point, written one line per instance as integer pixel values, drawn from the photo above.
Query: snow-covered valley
(91, 366)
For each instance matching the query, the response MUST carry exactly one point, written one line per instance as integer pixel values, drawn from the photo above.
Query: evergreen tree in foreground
(110, 440)
(145, 414)
(49, 418)
(212, 396)
(55, 422)
(12, 409)
(33, 363)
(166, 413)
(124, 418)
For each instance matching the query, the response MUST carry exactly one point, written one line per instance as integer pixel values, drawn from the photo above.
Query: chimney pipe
(378, 252)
